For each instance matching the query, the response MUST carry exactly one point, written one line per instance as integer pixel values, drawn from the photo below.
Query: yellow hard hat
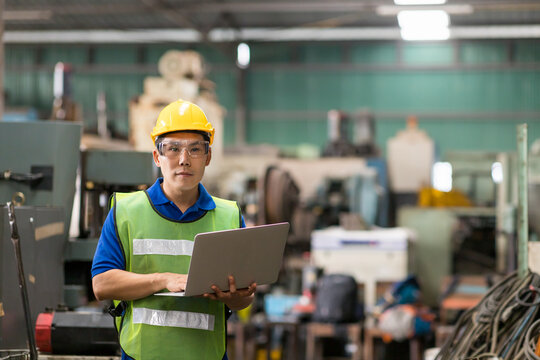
(182, 115)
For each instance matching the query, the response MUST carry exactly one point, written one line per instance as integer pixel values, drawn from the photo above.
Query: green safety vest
(168, 327)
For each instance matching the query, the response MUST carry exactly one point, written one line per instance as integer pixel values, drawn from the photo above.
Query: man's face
(181, 171)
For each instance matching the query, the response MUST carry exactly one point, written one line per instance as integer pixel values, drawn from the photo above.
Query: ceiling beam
(13, 11)
(177, 12)
(345, 6)
(258, 34)
(172, 14)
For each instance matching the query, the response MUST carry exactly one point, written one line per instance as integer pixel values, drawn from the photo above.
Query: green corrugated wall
(468, 95)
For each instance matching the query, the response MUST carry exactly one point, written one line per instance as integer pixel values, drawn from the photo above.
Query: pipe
(523, 209)
(15, 239)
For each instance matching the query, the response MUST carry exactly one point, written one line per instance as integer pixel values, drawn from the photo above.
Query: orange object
(430, 197)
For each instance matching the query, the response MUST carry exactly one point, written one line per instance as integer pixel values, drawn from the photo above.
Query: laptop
(252, 254)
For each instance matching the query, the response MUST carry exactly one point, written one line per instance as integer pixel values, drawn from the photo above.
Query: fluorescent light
(243, 55)
(497, 172)
(59, 80)
(419, 2)
(424, 25)
(424, 19)
(442, 176)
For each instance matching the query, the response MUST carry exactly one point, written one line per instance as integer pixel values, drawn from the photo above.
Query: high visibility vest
(168, 327)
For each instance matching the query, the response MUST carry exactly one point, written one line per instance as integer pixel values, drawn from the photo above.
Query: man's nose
(184, 157)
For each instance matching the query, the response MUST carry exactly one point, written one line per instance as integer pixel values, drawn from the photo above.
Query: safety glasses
(173, 149)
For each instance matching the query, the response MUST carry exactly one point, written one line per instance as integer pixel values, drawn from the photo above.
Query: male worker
(146, 245)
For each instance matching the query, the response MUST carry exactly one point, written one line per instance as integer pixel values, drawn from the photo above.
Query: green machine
(44, 173)
(31, 149)
(476, 240)
(38, 169)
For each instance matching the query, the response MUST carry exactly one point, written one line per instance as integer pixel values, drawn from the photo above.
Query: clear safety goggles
(173, 149)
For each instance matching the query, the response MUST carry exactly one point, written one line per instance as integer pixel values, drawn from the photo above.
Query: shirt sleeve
(108, 253)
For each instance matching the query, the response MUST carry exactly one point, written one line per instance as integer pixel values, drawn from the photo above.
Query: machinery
(68, 333)
(104, 172)
(360, 254)
(39, 176)
(39, 173)
(64, 108)
(340, 143)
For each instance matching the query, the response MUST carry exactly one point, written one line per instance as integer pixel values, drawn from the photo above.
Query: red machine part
(43, 332)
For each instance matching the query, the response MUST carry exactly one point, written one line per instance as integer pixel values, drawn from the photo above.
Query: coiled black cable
(505, 324)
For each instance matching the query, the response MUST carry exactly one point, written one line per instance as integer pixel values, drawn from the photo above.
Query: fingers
(216, 295)
(232, 293)
(244, 292)
(248, 291)
(232, 284)
(175, 282)
(252, 288)
(218, 291)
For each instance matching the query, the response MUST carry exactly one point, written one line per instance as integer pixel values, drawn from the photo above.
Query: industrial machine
(104, 172)
(39, 164)
(82, 333)
(39, 176)
(340, 144)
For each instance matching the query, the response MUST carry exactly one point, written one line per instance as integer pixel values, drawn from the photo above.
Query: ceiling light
(497, 172)
(419, 2)
(424, 25)
(243, 55)
(425, 19)
(441, 175)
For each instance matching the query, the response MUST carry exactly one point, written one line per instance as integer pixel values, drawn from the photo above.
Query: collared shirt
(109, 254)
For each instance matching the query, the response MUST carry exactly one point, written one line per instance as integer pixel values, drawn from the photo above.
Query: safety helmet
(182, 115)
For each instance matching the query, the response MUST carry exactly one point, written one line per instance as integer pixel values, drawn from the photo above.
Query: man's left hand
(235, 299)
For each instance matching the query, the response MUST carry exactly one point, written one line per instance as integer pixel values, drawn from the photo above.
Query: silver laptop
(252, 254)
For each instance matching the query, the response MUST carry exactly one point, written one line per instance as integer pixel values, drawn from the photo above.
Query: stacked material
(410, 157)
(503, 326)
(182, 77)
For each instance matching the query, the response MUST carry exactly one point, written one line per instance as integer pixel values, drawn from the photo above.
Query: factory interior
(400, 139)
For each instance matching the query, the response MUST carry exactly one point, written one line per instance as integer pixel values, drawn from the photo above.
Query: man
(146, 244)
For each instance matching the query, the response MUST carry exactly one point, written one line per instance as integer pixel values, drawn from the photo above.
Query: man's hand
(124, 285)
(175, 282)
(235, 299)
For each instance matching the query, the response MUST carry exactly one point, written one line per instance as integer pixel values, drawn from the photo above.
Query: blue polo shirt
(109, 254)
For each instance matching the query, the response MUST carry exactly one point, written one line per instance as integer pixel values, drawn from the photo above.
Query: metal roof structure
(233, 20)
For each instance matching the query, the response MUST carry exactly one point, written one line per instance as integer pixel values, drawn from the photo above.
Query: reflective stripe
(162, 247)
(184, 319)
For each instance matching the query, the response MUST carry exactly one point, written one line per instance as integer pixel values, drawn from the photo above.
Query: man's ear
(209, 157)
(155, 154)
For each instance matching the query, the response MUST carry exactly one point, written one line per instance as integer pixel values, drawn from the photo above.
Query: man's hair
(160, 138)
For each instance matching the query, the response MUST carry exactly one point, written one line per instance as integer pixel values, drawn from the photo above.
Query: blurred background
(386, 132)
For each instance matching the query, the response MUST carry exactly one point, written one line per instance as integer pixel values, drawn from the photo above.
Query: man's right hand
(124, 285)
(175, 282)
